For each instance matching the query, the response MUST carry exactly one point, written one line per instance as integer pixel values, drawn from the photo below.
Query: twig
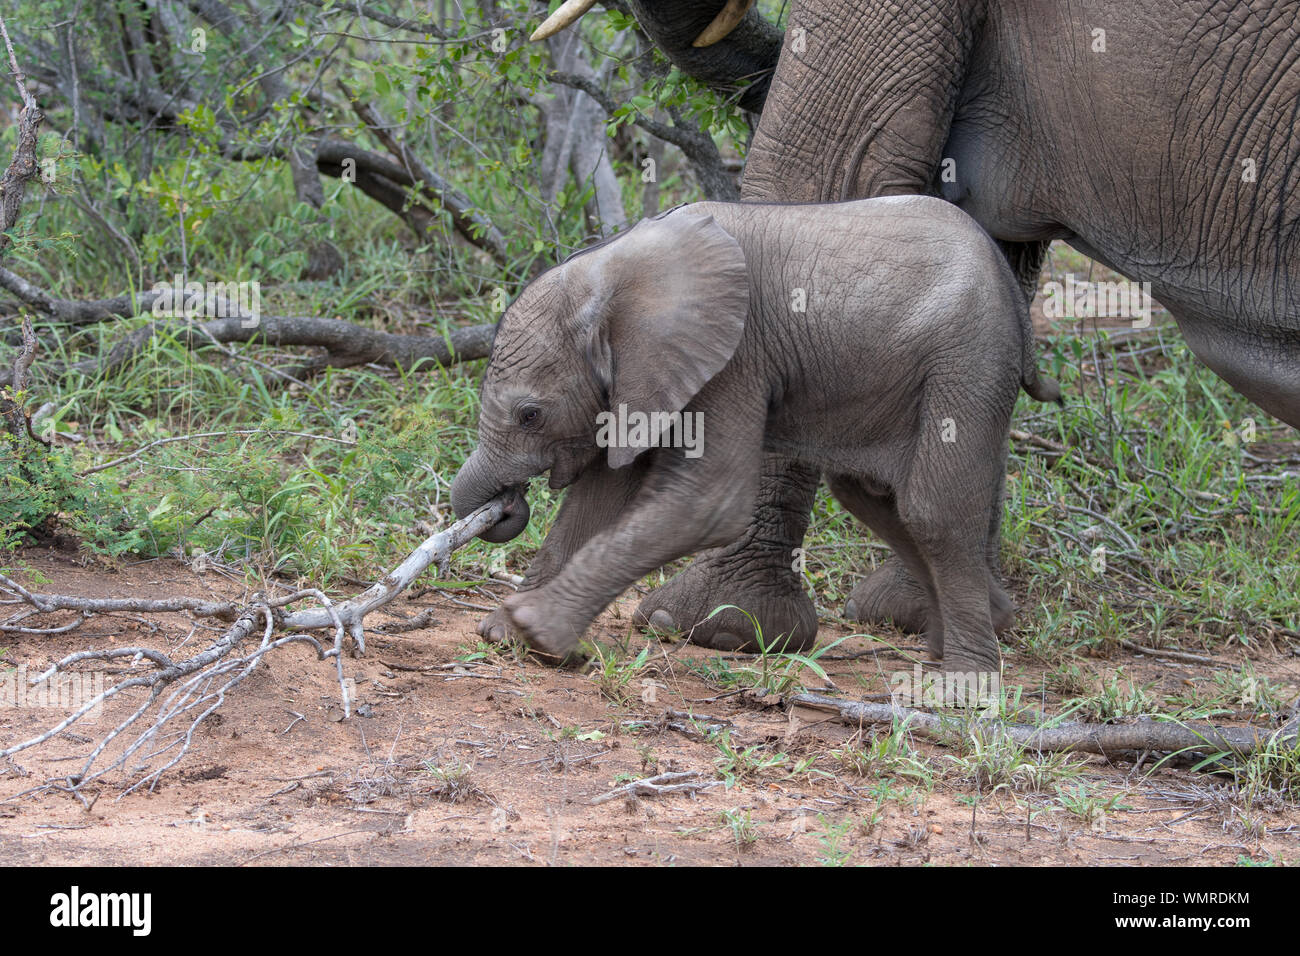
(298, 846)
(20, 80)
(678, 781)
(1172, 655)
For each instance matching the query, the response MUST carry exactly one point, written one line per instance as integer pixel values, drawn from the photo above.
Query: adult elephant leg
(893, 593)
(755, 573)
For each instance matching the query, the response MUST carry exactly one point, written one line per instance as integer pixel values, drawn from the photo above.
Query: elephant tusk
(728, 19)
(569, 13)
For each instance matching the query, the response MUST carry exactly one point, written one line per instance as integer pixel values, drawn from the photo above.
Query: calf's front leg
(593, 501)
(682, 506)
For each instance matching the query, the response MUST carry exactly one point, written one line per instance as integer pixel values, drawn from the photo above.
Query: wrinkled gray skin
(898, 382)
(1135, 156)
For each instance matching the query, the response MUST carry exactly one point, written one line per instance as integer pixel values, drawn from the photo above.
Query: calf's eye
(529, 415)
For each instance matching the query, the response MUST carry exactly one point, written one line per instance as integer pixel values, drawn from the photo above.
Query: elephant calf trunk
(473, 488)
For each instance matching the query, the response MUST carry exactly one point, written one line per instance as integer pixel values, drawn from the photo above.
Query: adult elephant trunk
(475, 485)
(743, 60)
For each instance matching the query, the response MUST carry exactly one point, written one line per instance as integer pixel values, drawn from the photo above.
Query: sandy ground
(498, 761)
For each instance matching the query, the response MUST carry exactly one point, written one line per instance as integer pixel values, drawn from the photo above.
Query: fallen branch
(346, 343)
(197, 687)
(436, 548)
(49, 603)
(1167, 736)
(1168, 654)
(677, 781)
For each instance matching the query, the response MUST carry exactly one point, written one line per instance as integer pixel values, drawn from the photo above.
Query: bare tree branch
(346, 344)
(20, 81)
(468, 222)
(696, 144)
(22, 169)
(387, 19)
(392, 183)
(1167, 736)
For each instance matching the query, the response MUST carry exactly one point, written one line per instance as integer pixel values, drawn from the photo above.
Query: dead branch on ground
(1154, 736)
(194, 688)
(346, 344)
(678, 781)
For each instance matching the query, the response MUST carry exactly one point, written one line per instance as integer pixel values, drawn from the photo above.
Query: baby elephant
(883, 341)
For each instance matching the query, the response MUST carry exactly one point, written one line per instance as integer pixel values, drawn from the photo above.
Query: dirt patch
(493, 760)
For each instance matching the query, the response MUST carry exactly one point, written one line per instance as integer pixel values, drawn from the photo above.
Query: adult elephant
(1159, 137)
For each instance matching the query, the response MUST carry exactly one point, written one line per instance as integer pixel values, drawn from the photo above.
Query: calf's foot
(543, 623)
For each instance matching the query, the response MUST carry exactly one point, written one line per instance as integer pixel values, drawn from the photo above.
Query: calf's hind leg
(940, 557)
(944, 506)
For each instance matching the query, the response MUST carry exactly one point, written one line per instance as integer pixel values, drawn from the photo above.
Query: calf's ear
(663, 310)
